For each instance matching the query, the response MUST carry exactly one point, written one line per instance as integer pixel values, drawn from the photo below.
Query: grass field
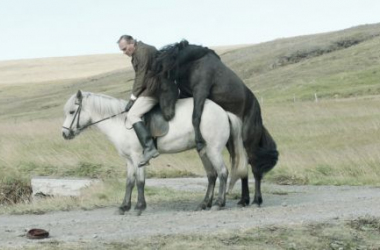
(332, 141)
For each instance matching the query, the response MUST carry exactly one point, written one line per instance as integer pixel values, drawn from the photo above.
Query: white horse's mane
(101, 104)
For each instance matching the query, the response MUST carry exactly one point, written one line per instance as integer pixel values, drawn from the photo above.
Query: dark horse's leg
(252, 136)
(244, 200)
(258, 177)
(200, 95)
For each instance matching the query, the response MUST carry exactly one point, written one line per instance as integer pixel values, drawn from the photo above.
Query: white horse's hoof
(119, 211)
(215, 208)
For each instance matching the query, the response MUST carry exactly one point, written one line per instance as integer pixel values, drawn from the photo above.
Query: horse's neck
(117, 133)
(114, 128)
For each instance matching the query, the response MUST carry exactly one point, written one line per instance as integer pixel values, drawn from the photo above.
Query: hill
(337, 64)
(333, 65)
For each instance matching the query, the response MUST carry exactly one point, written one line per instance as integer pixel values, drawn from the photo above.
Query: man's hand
(129, 105)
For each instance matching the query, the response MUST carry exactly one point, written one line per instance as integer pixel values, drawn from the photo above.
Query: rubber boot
(146, 142)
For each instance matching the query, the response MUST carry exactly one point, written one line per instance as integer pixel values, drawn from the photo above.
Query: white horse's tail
(238, 156)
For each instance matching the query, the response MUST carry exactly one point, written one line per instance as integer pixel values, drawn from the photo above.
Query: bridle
(77, 114)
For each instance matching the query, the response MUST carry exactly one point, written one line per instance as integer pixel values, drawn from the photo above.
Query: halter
(77, 113)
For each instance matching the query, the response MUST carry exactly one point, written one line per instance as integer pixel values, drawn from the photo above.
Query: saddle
(156, 123)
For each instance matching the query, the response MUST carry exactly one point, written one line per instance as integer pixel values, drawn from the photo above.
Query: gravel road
(283, 206)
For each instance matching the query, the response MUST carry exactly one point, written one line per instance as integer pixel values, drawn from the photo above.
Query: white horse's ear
(79, 95)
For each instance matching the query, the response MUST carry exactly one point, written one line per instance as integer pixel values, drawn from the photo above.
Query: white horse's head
(77, 116)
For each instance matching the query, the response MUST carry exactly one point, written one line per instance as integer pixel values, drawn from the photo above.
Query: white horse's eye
(71, 112)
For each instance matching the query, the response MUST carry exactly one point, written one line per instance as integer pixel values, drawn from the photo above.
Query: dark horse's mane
(172, 56)
(163, 75)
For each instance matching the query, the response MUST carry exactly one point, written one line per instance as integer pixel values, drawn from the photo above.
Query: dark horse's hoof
(258, 201)
(243, 203)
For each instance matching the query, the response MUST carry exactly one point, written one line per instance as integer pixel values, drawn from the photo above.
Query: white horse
(218, 127)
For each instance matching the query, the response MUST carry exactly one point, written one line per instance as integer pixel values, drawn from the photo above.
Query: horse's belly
(181, 136)
(170, 145)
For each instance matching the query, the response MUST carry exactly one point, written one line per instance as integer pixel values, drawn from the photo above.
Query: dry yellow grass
(53, 69)
(74, 67)
(330, 142)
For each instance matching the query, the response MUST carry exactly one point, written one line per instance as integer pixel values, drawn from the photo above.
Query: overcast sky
(55, 28)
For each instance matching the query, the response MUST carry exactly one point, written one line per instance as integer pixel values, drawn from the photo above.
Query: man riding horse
(142, 98)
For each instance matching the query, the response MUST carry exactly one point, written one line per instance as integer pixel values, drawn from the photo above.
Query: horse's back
(224, 86)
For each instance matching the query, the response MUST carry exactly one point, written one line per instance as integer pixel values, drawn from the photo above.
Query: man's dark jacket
(142, 60)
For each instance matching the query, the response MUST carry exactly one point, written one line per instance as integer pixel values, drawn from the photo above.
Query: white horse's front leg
(126, 205)
(140, 181)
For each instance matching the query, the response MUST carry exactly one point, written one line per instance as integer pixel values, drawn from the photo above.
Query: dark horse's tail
(267, 154)
(261, 148)
(163, 75)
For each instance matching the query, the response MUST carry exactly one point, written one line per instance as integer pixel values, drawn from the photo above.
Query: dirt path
(283, 205)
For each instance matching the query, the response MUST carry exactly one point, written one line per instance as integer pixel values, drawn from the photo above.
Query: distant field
(75, 67)
(52, 69)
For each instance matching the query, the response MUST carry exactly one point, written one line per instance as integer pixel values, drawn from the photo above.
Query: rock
(46, 187)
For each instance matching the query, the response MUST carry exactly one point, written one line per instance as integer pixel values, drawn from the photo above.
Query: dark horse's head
(164, 78)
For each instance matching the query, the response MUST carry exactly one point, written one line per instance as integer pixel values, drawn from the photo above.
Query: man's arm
(140, 71)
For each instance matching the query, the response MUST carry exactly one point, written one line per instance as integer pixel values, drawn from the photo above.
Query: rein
(77, 113)
(90, 124)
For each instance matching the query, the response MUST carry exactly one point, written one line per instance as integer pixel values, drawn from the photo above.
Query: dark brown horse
(198, 72)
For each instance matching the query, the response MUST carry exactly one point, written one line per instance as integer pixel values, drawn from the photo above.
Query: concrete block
(46, 186)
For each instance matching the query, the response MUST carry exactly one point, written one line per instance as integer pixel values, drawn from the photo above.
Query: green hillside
(337, 64)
